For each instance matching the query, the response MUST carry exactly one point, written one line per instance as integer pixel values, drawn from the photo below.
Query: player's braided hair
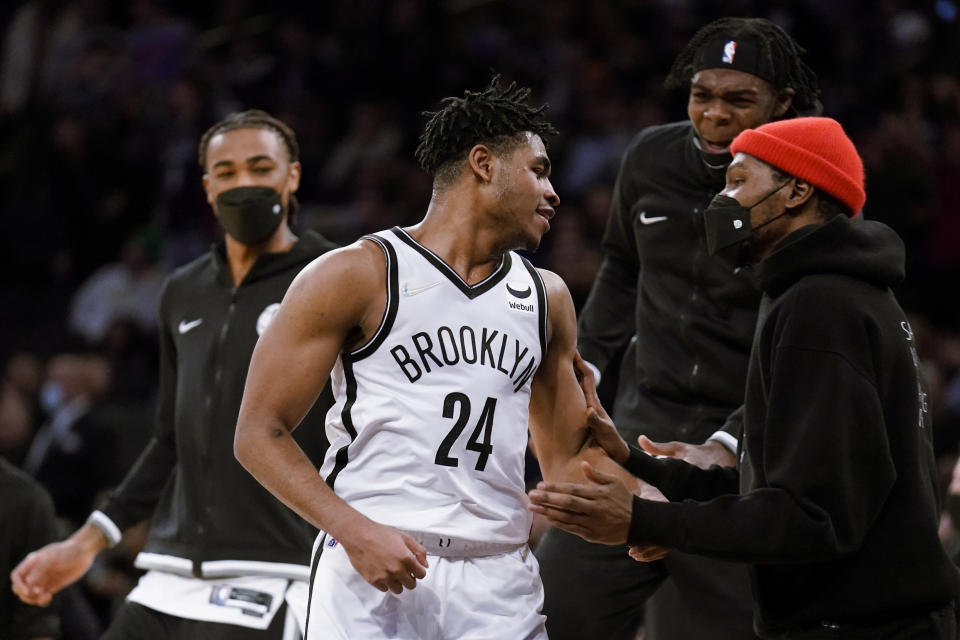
(497, 116)
(783, 54)
(254, 119)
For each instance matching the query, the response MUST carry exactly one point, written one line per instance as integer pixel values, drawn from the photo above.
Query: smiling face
(254, 157)
(724, 102)
(524, 200)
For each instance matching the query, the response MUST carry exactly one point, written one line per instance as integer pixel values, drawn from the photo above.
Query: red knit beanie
(815, 150)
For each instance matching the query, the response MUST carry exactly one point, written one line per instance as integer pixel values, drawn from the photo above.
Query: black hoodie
(837, 508)
(211, 517)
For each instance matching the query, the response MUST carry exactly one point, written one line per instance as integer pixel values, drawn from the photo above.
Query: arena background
(102, 103)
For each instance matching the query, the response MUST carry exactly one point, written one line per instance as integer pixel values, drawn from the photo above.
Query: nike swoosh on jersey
(185, 326)
(519, 293)
(407, 291)
(650, 219)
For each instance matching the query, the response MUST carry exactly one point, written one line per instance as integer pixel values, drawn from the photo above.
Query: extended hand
(46, 571)
(597, 512)
(702, 455)
(386, 558)
(588, 384)
(602, 430)
(604, 433)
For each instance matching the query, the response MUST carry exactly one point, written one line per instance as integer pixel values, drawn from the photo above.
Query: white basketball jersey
(429, 429)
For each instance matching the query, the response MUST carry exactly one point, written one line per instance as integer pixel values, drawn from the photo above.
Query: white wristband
(726, 440)
(107, 526)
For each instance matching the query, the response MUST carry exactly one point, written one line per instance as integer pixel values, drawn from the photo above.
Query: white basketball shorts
(464, 598)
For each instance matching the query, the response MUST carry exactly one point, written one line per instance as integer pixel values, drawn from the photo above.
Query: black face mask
(728, 228)
(250, 214)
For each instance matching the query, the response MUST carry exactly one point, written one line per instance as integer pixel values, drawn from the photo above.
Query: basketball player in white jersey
(441, 344)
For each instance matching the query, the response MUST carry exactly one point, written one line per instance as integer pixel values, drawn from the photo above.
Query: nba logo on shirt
(331, 543)
(729, 50)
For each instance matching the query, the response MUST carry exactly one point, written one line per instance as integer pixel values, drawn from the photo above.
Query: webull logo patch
(519, 297)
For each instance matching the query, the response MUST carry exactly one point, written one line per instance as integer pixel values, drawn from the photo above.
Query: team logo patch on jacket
(266, 317)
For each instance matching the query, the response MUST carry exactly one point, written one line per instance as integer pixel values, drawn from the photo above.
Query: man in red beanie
(672, 328)
(834, 503)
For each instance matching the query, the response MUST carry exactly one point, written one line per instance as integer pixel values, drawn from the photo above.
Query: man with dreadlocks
(686, 323)
(441, 344)
(223, 555)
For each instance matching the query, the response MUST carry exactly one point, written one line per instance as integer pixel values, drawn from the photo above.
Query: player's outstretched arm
(335, 303)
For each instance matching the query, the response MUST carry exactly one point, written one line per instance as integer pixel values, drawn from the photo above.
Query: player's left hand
(598, 512)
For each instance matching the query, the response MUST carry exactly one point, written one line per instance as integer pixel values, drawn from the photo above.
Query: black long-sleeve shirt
(211, 517)
(685, 319)
(837, 509)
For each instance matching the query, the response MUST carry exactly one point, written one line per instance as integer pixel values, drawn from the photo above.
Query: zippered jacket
(685, 319)
(210, 517)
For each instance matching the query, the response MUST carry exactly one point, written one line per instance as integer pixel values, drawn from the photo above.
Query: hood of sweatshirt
(858, 248)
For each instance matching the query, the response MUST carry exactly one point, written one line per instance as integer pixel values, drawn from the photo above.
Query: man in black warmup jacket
(225, 558)
(834, 504)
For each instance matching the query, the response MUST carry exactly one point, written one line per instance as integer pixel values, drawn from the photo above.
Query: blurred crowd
(103, 102)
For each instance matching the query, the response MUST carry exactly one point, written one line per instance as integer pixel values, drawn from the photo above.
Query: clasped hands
(600, 510)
